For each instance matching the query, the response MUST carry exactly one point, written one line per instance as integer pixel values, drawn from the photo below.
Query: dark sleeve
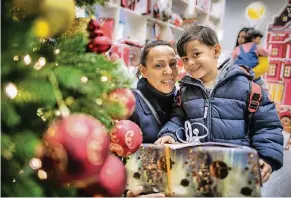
(266, 133)
(135, 117)
(176, 121)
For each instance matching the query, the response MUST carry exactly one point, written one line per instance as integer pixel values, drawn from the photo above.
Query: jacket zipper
(219, 84)
(207, 109)
(207, 118)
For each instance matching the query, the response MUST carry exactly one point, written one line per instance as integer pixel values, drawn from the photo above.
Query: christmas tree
(48, 73)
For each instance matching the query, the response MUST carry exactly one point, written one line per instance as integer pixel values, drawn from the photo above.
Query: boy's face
(201, 60)
(257, 40)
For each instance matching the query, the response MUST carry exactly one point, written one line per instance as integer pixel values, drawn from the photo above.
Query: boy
(248, 53)
(219, 101)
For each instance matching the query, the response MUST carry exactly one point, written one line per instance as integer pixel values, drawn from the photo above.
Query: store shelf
(131, 12)
(160, 22)
(176, 27)
(164, 24)
(183, 1)
(214, 18)
(199, 11)
(134, 25)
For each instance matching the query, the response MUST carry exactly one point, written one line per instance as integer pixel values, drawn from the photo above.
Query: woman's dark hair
(203, 34)
(147, 47)
(245, 29)
(252, 34)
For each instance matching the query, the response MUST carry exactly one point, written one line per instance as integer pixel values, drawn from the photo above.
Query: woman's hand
(138, 190)
(266, 170)
(165, 139)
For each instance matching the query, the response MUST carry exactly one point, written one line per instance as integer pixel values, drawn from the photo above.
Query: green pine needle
(35, 91)
(9, 114)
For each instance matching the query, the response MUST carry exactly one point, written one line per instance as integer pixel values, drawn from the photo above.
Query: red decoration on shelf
(96, 33)
(102, 43)
(93, 25)
(98, 43)
(126, 138)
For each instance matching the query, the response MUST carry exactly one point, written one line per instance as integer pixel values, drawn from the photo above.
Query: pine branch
(91, 108)
(25, 145)
(69, 77)
(72, 43)
(35, 91)
(9, 115)
(7, 147)
(22, 186)
(13, 64)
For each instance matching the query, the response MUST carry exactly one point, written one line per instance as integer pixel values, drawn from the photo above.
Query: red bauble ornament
(112, 176)
(103, 43)
(96, 33)
(126, 99)
(111, 181)
(93, 25)
(126, 138)
(91, 48)
(76, 149)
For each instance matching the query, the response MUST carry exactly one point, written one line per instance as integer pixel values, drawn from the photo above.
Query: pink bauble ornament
(103, 43)
(93, 25)
(112, 176)
(126, 138)
(126, 99)
(76, 149)
(111, 181)
(96, 33)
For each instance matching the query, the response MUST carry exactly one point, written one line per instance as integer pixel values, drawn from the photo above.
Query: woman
(241, 37)
(263, 65)
(156, 89)
(154, 94)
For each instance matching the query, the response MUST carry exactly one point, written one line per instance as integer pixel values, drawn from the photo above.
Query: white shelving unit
(135, 26)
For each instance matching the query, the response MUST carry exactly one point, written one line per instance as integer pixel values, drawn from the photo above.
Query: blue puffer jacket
(144, 118)
(224, 112)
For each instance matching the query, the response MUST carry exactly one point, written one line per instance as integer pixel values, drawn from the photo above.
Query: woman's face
(161, 69)
(241, 38)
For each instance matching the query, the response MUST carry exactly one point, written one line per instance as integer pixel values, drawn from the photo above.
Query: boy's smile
(201, 60)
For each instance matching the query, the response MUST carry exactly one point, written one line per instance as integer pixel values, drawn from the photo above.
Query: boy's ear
(217, 50)
(142, 70)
